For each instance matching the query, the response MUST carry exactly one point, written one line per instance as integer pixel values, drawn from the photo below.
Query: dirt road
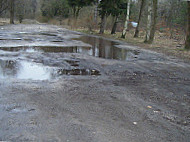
(61, 86)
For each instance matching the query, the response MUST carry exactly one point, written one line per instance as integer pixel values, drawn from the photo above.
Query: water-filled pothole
(47, 34)
(36, 71)
(73, 63)
(78, 72)
(99, 48)
(45, 69)
(108, 49)
(23, 70)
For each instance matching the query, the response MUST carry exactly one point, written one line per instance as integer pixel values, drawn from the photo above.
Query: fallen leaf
(149, 107)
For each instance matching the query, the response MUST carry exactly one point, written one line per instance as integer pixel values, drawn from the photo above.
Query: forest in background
(138, 18)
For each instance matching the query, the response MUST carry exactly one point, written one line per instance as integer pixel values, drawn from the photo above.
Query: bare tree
(151, 25)
(149, 21)
(12, 11)
(103, 23)
(139, 19)
(96, 11)
(113, 31)
(126, 20)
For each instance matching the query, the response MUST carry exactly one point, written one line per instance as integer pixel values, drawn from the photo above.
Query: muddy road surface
(58, 85)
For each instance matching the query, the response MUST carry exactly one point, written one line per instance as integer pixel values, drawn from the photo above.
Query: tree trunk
(77, 12)
(96, 11)
(149, 21)
(127, 20)
(139, 20)
(153, 27)
(12, 5)
(170, 23)
(74, 12)
(114, 25)
(187, 42)
(103, 23)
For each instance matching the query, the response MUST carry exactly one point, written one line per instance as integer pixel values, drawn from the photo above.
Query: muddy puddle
(98, 47)
(107, 49)
(23, 70)
(78, 72)
(36, 71)
(26, 69)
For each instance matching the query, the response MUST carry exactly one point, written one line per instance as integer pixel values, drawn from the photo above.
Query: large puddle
(99, 48)
(107, 49)
(22, 69)
(36, 71)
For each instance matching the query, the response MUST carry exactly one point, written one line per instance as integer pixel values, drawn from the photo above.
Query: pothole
(98, 47)
(36, 71)
(78, 72)
(73, 63)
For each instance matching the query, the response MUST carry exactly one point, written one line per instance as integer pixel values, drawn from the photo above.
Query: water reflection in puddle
(99, 48)
(23, 70)
(107, 49)
(33, 71)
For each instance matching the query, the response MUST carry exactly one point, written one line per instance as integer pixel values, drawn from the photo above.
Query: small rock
(155, 111)
(179, 46)
(31, 109)
(135, 123)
